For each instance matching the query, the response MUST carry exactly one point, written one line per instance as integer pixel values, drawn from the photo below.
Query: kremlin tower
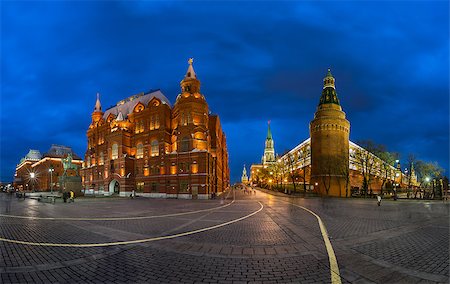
(329, 132)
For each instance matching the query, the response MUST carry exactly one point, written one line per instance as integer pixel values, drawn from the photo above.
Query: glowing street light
(32, 176)
(51, 170)
(396, 184)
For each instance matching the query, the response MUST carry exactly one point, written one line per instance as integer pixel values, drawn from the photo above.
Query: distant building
(328, 162)
(244, 178)
(41, 172)
(269, 150)
(144, 144)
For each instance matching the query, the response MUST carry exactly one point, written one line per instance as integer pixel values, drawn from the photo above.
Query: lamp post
(395, 185)
(427, 180)
(409, 182)
(51, 170)
(32, 176)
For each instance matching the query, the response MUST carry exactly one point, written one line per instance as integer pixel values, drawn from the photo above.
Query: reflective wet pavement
(402, 241)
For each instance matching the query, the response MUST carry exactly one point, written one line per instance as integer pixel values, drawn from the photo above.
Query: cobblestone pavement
(404, 241)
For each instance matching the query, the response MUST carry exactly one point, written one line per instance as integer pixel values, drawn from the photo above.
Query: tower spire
(329, 95)
(190, 73)
(190, 83)
(98, 106)
(244, 177)
(269, 133)
(269, 150)
(97, 114)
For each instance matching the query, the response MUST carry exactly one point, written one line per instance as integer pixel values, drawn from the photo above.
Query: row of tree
(371, 160)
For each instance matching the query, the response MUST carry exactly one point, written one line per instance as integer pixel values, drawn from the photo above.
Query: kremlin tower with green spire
(329, 132)
(269, 150)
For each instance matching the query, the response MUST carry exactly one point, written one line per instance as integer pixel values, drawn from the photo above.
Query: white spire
(119, 116)
(190, 72)
(98, 106)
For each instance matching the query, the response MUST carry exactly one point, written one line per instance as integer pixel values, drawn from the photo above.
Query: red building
(41, 172)
(144, 144)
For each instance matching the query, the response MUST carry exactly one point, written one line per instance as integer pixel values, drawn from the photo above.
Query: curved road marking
(134, 241)
(114, 218)
(334, 267)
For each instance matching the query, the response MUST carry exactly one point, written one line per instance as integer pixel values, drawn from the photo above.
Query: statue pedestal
(68, 183)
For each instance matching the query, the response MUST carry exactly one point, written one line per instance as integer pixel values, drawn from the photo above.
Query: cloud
(256, 62)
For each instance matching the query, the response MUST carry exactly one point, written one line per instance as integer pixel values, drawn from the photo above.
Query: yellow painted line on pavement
(334, 267)
(114, 218)
(134, 241)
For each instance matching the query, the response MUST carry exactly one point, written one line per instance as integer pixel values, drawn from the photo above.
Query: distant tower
(413, 174)
(329, 132)
(244, 178)
(269, 150)
(190, 114)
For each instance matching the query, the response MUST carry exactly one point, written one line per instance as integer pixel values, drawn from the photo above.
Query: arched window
(155, 170)
(156, 122)
(101, 160)
(155, 148)
(114, 151)
(184, 144)
(139, 151)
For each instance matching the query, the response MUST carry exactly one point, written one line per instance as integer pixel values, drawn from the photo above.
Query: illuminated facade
(41, 172)
(328, 162)
(269, 149)
(144, 144)
(244, 177)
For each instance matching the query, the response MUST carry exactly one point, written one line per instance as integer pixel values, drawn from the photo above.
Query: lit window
(101, 160)
(156, 122)
(140, 151)
(140, 186)
(184, 145)
(115, 151)
(154, 148)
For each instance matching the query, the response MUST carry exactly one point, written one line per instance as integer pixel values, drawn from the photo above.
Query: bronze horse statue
(67, 164)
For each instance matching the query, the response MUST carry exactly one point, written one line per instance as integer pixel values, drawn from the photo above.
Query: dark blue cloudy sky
(256, 61)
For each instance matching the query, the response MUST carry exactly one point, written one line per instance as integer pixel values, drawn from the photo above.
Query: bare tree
(302, 157)
(428, 172)
(343, 171)
(365, 161)
(291, 161)
(385, 167)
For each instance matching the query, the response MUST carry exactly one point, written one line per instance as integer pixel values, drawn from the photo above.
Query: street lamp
(51, 170)
(32, 176)
(395, 185)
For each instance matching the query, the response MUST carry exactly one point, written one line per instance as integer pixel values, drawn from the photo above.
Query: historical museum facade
(42, 172)
(328, 162)
(146, 146)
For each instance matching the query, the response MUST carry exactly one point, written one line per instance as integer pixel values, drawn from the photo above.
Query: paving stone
(402, 242)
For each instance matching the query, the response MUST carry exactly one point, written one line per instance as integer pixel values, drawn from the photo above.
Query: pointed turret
(97, 114)
(244, 178)
(190, 83)
(98, 106)
(269, 150)
(190, 72)
(269, 133)
(119, 116)
(329, 95)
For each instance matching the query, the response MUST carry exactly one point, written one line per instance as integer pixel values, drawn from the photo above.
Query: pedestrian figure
(379, 199)
(65, 197)
(72, 196)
